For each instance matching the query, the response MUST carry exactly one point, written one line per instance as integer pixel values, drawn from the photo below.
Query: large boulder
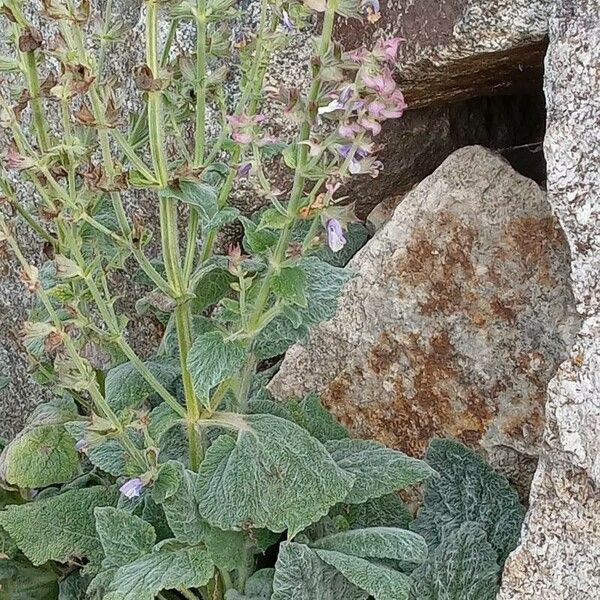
(559, 556)
(459, 314)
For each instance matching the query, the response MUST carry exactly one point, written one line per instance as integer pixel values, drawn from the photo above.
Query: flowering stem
(170, 238)
(200, 136)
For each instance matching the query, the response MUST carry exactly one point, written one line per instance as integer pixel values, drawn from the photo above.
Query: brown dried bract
(144, 79)
(30, 40)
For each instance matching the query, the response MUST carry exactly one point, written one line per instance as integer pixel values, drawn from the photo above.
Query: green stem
(200, 135)
(37, 108)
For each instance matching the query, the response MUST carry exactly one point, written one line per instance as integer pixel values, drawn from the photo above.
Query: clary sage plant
(175, 474)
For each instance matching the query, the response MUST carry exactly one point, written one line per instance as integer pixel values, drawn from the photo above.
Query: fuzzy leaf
(317, 420)
(279, 335)
(379, 581)
(126, 388)
(259, 586)
(257, 241)
(301, 575)
(468, 490)
(39, 457)
(111, 457)
(216, 284)
(387, 511)
(377, 542)
(226, 548)
(211, 360)
(200, 195)
(271, 218)
(59, 528)
(20, 581)
(73, 587)
(378, 470)
(166, 568)
(275, 476)
(462, 567)
(123, 536)
(290, 284)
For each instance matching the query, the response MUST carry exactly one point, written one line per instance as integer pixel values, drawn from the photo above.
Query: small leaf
(200, 195)
(126, 388)
(111, 457)
(377, 542)
(271, 218)
(462, 567)
(216, 284)
(301, 575)
(225, 216)
(211, 360)
(257, 241)
(67, 521)
(379, 581)
(290, 284)
(124, 537)
(275, 476)
(378, 470)
(317, 420)
(166, 568)
(39, 457)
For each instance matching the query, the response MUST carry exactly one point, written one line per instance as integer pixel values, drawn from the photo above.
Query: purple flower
(383, 82)
(336, 239)
(372, 9)
(81, 446)
(287, 23)
(132, 488)
(349, 130)
(244, 170)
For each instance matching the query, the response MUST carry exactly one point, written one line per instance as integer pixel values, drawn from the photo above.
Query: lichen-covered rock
(458, 317)
(559, 556)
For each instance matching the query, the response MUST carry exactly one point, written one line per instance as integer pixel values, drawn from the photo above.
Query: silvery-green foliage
(67, 523)
(462, 567)
(468, 490)
(245, 481)
(169, 466)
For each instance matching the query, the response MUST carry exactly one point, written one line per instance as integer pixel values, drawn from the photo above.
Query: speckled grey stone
(458, 317)
(559, 555)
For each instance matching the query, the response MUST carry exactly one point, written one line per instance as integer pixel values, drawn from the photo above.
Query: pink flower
(383, 82)
(388, 49)
(371, 125)
(336, 239)
(349, 130)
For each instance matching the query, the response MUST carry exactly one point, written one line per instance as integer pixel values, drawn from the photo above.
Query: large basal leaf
(309, 413)
(377, 542)
(124, 537)
(275, 475)
(126, 388)
(19, 580)
(301, 575)
(177, 498)
(73, 587)
(290, 285)
(387, 511)
(167, 568)
(211, 360)
(468, 489)
(462, 567)
(259, 586)
(59, 528)
(378, 580)
(39, 457)
(378, 470)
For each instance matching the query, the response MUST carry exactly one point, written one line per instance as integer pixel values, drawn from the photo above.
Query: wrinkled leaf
(379, 470)
(275, 476)
(211, 360)
(67, 522)
(468, 490)
(259, 586)
(301, 575)
(379, 581)
(462, 567)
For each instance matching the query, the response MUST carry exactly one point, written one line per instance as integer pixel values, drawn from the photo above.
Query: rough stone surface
(458, 49)
(559, 556)
(458, 317)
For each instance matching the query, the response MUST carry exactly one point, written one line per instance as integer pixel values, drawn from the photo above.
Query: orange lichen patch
(431, 402)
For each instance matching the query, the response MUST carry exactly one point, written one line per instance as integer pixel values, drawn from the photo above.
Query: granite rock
(559, 555)
(459, 315)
